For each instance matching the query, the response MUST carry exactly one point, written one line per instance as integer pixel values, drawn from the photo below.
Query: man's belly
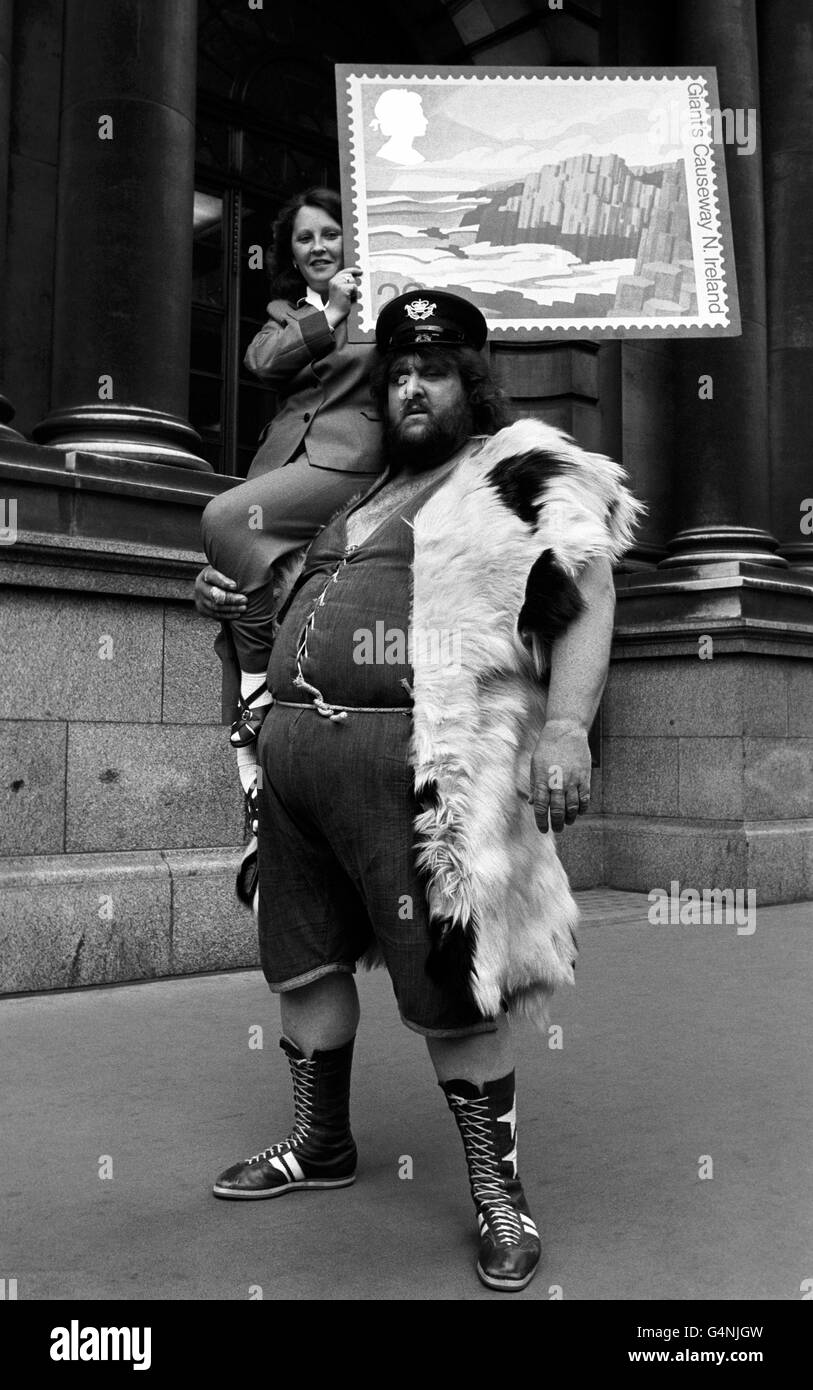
(347, 636)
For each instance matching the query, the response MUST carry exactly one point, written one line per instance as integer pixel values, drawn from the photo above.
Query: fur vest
(498, 548)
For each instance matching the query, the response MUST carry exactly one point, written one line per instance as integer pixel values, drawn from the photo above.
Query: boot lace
(303, 1073)
(487, 1182)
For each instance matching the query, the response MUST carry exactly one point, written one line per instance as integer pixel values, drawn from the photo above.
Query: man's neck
(393, 492)
(405, 469)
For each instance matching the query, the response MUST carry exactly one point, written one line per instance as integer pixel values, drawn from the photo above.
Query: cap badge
(420, 309)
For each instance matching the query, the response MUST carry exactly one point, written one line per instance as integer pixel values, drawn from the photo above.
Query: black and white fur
(498, 552)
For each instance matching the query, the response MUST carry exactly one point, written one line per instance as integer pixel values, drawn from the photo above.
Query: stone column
(721, 496)
(638, 34)
(6, 408)
(786, 61)
(706, 708)
(123, 275)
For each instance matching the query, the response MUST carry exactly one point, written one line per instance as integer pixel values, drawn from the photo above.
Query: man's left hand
(560, 775)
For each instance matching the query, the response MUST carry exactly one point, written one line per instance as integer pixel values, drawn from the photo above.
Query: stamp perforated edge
(362, 321)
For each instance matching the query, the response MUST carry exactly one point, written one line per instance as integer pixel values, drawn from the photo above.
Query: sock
(247, 765)
(251, 681)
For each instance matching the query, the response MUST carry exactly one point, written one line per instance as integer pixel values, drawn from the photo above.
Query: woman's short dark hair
(489, 405)
(286, 281)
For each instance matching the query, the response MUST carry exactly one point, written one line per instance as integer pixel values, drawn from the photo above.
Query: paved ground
(678, 1042)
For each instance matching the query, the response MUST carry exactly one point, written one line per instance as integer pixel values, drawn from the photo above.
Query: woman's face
(317, 248)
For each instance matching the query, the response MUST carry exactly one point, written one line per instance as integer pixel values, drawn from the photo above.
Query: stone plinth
(86, 919)
(704, 782)
(78, 920)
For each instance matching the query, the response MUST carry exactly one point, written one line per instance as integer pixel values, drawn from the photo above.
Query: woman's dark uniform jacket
(314, 371)
(324, 407)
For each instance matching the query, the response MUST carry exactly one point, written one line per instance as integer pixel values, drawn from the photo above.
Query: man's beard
(441, 437)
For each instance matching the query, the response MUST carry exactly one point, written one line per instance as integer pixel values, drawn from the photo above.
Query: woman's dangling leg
(247, 532)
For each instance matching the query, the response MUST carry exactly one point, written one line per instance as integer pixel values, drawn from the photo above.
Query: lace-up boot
(319, 1151)
(509, 1243)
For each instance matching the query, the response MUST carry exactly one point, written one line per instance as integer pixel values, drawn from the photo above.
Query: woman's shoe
(248, 876)
(249, 721)
(252, 809)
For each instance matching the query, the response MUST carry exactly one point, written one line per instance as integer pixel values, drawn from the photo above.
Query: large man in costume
(435, 672)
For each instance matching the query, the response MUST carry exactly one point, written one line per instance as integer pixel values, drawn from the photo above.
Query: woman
(322, 448)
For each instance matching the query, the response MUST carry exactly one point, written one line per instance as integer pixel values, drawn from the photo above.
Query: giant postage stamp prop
(560, 201)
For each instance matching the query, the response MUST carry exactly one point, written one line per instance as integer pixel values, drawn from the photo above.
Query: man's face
(428, 414)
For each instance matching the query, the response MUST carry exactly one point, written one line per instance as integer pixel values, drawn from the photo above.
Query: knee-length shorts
(336, 861)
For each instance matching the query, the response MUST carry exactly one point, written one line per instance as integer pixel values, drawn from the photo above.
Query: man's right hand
(215, 595)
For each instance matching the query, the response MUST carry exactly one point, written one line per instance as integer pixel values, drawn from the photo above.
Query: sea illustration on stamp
(557, 200)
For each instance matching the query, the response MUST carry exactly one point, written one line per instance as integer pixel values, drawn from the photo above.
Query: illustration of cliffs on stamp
(560, 201)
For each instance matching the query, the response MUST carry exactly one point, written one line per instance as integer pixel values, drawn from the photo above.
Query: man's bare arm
(580, 658)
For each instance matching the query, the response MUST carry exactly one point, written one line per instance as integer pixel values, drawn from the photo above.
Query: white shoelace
(487, 1183)
(304, 1078)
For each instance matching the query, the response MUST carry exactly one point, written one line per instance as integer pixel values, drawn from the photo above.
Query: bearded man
(434, 676)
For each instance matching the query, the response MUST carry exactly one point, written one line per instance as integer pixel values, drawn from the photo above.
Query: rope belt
(337, 713)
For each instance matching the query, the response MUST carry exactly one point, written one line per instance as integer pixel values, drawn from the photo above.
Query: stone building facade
(120, 820)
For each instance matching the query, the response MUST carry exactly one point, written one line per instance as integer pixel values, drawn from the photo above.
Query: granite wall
(120, 812)
(706, 778)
